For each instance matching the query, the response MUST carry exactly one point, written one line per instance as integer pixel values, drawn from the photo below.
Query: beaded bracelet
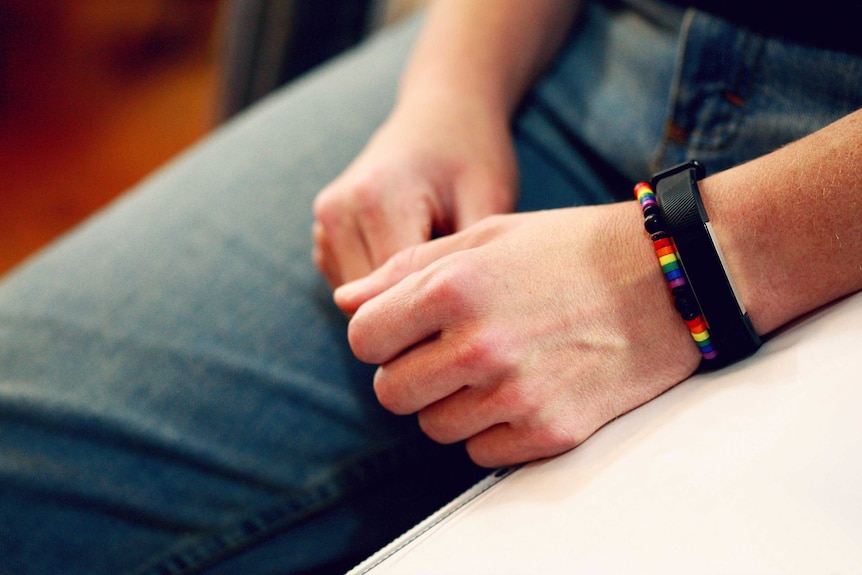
(683, 298)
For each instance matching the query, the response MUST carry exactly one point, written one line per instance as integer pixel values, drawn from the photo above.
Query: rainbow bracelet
(683, 298)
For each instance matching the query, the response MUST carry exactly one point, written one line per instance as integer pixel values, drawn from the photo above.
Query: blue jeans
(176, 391)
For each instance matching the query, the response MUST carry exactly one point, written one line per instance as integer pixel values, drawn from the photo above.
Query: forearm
(790, 223)
(484, 53)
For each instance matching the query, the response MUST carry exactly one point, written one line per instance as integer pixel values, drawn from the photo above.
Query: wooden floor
(95, 95)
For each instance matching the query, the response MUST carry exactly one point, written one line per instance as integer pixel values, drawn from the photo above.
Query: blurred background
(96, 94)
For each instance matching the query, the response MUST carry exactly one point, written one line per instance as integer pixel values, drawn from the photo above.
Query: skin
(522, 334)
(444, 159)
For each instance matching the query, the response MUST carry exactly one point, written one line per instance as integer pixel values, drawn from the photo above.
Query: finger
(439, 368)
(371, 217)
(344, 254)
(403, 387)
(393, 215)
(402, 317)
(461, 415)
(502, 397)
(355, 293)
(510, 443)
(323, 256)
(495, 447)
(407, 261)
(444, 294)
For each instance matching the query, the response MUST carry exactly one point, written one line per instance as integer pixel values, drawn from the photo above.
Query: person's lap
(176, 390)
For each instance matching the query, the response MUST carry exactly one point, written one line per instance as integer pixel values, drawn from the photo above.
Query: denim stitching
(192, 557)
(722, 109)
(706, 116)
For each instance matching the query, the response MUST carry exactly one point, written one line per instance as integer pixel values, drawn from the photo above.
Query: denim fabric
(738, 95)
(176, 392)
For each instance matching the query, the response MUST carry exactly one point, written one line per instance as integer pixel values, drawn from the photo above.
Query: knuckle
(478, 353)
(358, 339)
(519, 399)
(368, 197)
(486, 352)
(553, 439)
(448, 286)
(554, 433)
(362, 195)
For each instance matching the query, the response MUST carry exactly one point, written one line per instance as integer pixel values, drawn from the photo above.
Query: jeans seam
(206, 550)
(671, 132)
(731, 91)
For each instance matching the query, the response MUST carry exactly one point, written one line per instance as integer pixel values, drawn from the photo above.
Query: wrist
(671, 344)
(466, 49)
(788, 223)
(437, 95)
(475, 138)
(738, 247)
(754, 249)
(692, 260)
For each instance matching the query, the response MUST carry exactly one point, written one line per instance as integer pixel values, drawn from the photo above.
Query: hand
(524, 333)
(422, 174)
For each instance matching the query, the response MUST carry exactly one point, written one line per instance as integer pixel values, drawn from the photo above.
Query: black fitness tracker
(688, 224)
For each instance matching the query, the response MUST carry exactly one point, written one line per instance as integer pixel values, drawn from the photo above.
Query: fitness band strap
(688, 224)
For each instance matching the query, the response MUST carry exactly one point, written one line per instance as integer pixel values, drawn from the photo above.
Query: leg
(176, 391)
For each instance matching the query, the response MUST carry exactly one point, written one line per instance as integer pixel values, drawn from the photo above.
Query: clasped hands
(519, 334)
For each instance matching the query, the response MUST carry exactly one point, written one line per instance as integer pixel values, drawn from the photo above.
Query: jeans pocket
(738, 95)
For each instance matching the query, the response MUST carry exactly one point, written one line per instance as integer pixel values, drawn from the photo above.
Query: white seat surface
(753, 469)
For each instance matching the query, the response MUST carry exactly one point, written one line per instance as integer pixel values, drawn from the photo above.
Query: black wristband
(678, 197)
